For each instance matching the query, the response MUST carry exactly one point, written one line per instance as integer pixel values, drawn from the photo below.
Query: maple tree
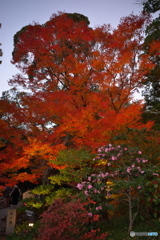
(70, 220)
(13, 140)
(80, 82)
(10, 138)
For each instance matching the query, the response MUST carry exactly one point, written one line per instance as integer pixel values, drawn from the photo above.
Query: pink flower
(133, 165)
(90, 214)
(108, 164)
(156, 174)
(125, 149)
(128, 170)
(98, 208)
(138, 187)
(79, 186)
(89, 186)
(89, 178)
(144, 161)
(86, 193)
(139, 152)
(138, 160)
(142, 171)
(113, 158)
(103, 175)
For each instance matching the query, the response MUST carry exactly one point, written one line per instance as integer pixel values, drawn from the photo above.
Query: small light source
(30, 224)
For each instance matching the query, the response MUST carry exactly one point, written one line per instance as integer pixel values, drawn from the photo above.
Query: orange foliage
(81, 83)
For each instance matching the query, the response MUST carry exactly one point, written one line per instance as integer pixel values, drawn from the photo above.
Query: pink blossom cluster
(94, 187)
(79, 186)
(155, 174)
(123, 162)
(92, 181)
(113, 153)
(125, 167)
(90, 214)
(99, 208)
(141, 160)
(133, 168)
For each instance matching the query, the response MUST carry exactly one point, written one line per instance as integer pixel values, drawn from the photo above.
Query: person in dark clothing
(15, 195)
(7, 197)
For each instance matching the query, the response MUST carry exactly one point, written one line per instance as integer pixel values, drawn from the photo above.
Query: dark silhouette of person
(15, 195)
(7, 198)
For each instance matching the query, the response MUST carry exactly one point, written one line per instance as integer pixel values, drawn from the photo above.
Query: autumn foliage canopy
(80, 84)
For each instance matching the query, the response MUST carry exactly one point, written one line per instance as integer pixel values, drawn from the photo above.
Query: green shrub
(24, 232)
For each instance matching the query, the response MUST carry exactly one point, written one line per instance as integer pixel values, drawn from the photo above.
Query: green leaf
(155, 185)
(147, 184)
(148, 199)
(142, 218)
(155, 214)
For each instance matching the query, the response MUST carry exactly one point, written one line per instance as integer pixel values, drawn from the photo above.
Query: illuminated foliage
(80, 82)
(68, 220)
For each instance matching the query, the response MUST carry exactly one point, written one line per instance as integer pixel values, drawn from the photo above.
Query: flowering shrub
(127, 167)
(68, 221)
(95, 188)
(127, 171)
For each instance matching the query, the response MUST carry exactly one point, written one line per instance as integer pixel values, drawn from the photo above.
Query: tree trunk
(130, 212)
(131, 217)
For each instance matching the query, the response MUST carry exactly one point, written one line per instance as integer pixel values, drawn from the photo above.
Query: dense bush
(69, 221)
